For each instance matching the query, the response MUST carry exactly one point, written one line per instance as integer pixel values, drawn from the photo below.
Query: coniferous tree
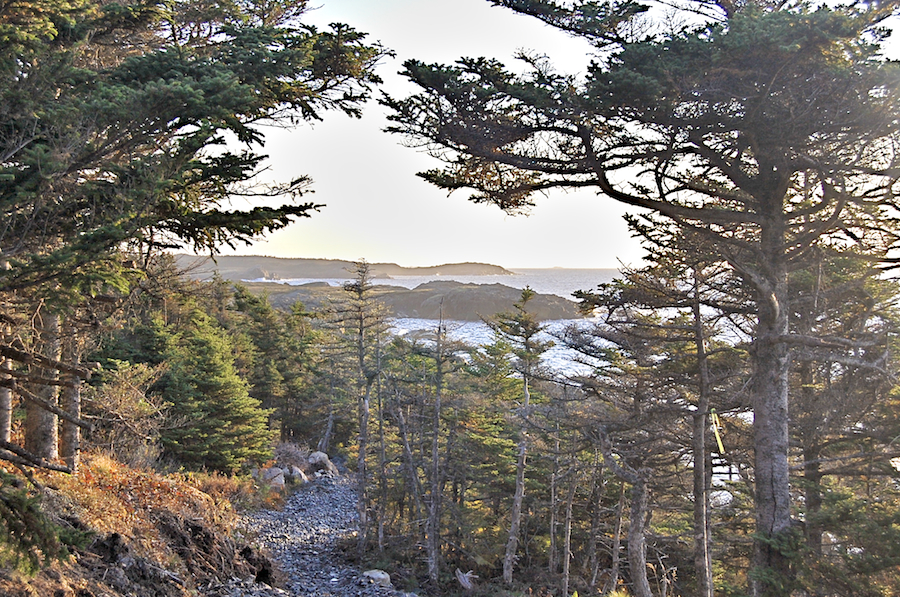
(360, 321)
(220, 426)
(523, 333)
(766, 127)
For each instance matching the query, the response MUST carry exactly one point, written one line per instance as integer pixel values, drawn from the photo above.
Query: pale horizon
(377, 209)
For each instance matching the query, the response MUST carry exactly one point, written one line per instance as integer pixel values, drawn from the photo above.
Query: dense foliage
(127, 128)
(768, 129)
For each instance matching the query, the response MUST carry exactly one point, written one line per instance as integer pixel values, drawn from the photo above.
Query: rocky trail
(304, 538)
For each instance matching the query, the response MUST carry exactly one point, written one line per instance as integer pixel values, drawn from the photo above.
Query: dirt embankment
(152, 536)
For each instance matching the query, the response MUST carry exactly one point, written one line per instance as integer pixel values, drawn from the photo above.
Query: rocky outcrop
(454, 300)
(471, 302)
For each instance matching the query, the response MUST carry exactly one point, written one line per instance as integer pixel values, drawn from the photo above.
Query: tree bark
(701, 476)
(410, 465)
(567, 538)
(41, 434)
(70, 401)
(362, 494)
(812, 477)
(616, 548)
(6, 395)
(515, 517)
(553, 563)
(592, 557)
(433, 543)
(637, 544)
(771, 362)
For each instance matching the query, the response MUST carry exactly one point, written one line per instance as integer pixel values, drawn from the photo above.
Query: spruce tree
(217, 424)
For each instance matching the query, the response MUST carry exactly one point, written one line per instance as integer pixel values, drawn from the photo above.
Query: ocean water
(559, 281)
(558, 360)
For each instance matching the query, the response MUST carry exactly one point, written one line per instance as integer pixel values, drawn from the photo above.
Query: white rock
(379, 577)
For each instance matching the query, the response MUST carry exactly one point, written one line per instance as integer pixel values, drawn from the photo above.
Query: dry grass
(109, 497)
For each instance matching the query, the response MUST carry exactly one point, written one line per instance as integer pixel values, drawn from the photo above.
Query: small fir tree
(219, 425)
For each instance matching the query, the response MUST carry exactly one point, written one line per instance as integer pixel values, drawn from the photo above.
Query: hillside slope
(451, 300)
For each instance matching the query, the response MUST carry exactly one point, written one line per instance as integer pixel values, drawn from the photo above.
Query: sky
(377, 209)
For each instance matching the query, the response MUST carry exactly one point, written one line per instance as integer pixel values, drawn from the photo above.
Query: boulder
(378, 577)
(321, 464)
(295, 475)
(273, 476)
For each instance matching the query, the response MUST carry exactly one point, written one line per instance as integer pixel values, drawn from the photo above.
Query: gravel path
(303, 537)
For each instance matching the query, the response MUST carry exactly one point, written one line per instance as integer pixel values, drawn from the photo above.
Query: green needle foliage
(216, 424)
(28, 538)
(133, 125)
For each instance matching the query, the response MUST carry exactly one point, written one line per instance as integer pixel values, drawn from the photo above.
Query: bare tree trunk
(70, 436)
(702, 556)
(70, 401)
(637, 523)
(410, 466)
(6, 395)
(567, 540)
(6, 404)
(553, 559)
(325, 441)
(616, 548)
(592, 557)
(515, 517)
(812, 476)
(382, 465)
(637, 545)
(771, 363)
(433, 532)
(41, 434)
(362, 495)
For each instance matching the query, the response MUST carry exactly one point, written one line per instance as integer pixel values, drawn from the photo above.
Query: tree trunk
(701, 476)
(6, 405)
(6, 395)
(410, 466)
(515, 517)
(812, 477)
(771, 363)
(433, 543)
(567, 539)
(553, 562)
(592, 558)
(616, 549)
(41, 434)
(70, 401)
(362, 495)
(637, 545)
(382, 466)
(70, 434)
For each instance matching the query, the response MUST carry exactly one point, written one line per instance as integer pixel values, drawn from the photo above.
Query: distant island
(440, 298)
(238, 267)
(451, 300)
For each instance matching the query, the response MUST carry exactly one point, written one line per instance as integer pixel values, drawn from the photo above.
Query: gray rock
(273, 476)
(320, 463)
(378, 577)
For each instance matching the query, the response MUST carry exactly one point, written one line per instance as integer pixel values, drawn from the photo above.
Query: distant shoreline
(251, 267)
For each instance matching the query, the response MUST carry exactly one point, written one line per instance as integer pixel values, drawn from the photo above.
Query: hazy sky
(377, 209)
